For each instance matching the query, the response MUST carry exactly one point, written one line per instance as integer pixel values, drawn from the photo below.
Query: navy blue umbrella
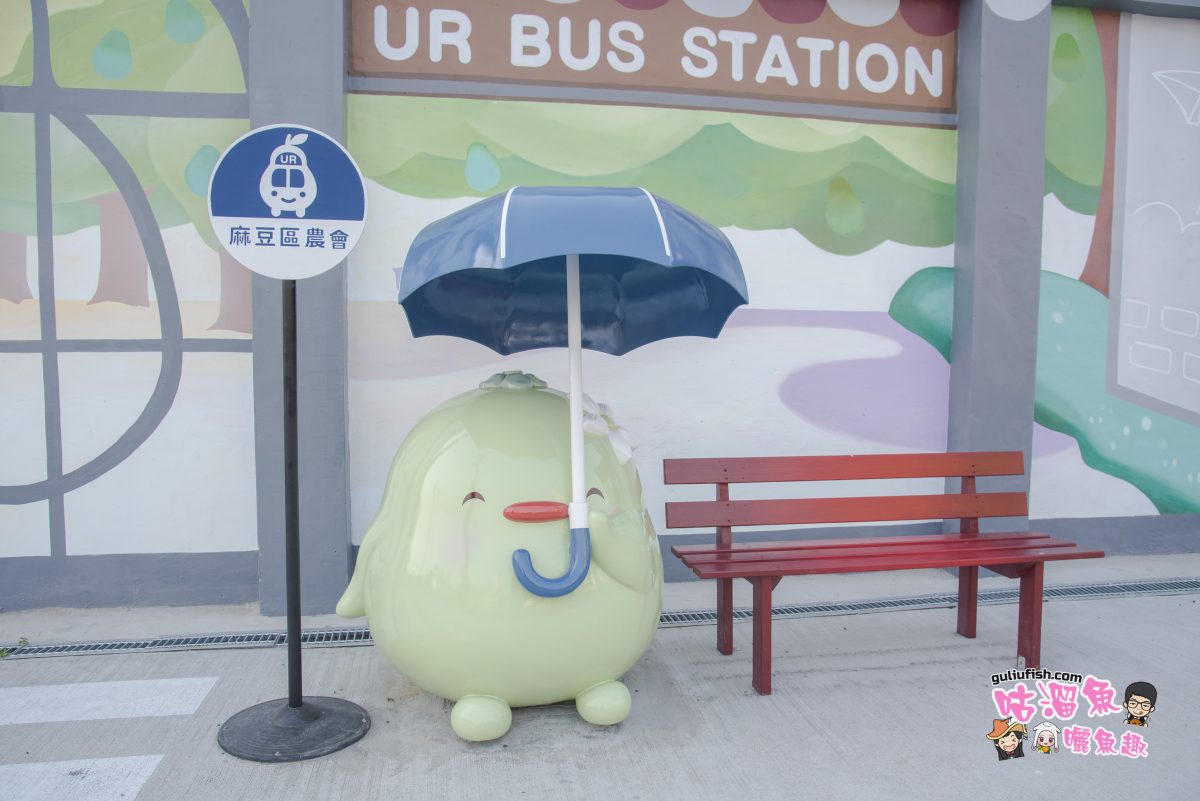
(605, 268)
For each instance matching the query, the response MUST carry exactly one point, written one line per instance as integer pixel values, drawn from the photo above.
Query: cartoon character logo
(288, 184)
(1140, 698)
(1045, 738)
(1008, 736)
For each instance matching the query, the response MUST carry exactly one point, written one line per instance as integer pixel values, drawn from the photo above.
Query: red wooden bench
(1020, 554)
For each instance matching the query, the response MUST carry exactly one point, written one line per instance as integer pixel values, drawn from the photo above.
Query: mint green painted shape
(1075, 110)
(481, 169)
(1154, 452)
(924, 304)
(199, 170)
(435, 577)
(112, 58)
(184, 23)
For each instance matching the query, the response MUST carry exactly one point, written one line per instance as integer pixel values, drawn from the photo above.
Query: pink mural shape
(930, 17)
(793, 11)
(643, 5)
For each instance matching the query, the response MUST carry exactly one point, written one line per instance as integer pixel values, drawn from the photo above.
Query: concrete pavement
(872, 706)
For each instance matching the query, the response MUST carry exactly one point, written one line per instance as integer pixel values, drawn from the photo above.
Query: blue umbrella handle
(577, 570)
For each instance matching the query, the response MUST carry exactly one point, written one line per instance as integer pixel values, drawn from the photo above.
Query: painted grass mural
(1156, 453)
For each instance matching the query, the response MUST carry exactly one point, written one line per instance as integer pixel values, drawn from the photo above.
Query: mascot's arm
(622, 549)
(353, 602)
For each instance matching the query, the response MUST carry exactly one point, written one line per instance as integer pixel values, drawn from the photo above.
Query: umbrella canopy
(609, 269)
(494, 272)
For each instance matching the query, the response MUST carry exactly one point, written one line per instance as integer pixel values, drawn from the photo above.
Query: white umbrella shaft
(578, 506)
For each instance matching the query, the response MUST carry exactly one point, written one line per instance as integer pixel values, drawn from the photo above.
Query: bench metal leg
(1029, 625)
(725, 616)
(968, 599)
(762, 632)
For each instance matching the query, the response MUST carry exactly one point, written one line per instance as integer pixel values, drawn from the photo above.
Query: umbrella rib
(661, 225)
(504, 221)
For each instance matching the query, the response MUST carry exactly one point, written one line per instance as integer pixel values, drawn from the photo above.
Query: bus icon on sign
(288, 184)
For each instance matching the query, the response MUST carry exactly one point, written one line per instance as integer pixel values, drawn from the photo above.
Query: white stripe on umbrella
(504, 221)
(661, 225)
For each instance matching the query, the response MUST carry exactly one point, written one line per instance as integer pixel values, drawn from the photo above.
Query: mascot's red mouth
(536, 511)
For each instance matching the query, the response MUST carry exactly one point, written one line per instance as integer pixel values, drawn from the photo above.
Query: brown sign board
(661, 46)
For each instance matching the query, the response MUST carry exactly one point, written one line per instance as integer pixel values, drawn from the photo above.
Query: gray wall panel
(307, 91)
(167, 579)
(998, 230)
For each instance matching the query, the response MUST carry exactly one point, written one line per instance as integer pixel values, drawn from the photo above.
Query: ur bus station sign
(776, 51)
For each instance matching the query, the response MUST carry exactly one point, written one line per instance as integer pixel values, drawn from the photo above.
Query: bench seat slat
(763, 469)
(706, 514)
(948, 550)
(849, 542)
(800, 567)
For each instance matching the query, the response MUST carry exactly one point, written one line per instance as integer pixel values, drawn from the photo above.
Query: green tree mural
(152, 45)
(845, 186)
(1081, 125)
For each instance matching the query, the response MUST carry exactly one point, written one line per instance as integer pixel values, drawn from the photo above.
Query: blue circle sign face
(287, 201)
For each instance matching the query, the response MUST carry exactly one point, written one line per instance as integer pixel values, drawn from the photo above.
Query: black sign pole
(291, 495)
(295, 728)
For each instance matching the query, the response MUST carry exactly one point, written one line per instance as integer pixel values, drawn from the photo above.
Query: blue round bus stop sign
(287, 201)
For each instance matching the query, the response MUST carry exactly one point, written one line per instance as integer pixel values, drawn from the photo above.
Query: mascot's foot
(480, 717)
(605, 704)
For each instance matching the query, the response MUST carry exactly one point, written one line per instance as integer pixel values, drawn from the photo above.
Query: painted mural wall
(845, 231)
(829, 219)
(124, 337)
(1118, 338)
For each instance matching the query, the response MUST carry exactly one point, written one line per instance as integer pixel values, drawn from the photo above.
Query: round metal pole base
(275, 732)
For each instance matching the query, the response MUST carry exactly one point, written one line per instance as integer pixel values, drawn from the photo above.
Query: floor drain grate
(696, 617)
(255, 640)
(361, 636)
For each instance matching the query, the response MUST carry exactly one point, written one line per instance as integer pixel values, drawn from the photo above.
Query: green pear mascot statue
(478, 486)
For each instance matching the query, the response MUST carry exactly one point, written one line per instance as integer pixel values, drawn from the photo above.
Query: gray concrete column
(998, 229)
(297, 75)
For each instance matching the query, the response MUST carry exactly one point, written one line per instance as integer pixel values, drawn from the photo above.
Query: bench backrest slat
(703, 514)
(763, 469)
